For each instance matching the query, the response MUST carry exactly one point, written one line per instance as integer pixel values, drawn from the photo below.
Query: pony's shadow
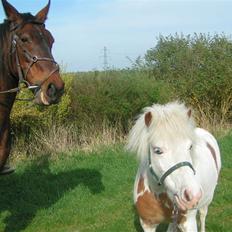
(138, 228)
(22, 195)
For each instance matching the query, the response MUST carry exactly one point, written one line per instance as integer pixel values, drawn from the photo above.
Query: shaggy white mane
(168, 123)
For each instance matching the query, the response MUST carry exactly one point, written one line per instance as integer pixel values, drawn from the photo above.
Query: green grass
(80, 192)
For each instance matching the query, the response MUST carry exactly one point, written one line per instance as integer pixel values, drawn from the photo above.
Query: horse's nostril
(52, 91)
(61, 91)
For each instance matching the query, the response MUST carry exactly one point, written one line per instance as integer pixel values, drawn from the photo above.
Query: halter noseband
(161, 179)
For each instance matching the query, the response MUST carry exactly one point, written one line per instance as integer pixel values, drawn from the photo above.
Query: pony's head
(163, 138)
(31, 58)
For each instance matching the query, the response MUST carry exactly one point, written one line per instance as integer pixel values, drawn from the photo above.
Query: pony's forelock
(169, 122)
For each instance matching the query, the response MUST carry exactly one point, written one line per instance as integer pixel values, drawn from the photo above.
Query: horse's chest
(152, 209)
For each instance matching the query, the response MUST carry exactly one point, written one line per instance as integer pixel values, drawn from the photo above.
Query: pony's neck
(149, 181)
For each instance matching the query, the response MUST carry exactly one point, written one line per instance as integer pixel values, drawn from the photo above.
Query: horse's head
(167, 151)
(32, 60)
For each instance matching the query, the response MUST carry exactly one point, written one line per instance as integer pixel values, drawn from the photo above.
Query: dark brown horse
(25, 57)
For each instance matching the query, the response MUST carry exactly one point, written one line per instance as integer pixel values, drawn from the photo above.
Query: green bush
(195, 69)
(26, 116)
(114, 96)
(198, 67)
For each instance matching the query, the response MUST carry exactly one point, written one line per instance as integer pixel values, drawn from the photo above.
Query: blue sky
(128, 28)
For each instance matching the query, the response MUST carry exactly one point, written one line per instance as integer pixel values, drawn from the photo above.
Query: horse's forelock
(27, 17)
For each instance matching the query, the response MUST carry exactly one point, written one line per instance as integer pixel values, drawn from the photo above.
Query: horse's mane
(4, 46)
(169, 123)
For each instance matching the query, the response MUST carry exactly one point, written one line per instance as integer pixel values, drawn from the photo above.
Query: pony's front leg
(203, 213)
(191, 223)
(5, 145)
(146, 227)
(171, 227)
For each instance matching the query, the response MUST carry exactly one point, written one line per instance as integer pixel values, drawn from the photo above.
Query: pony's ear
(42, 14)
(11, 13)
(148, 118)
(189, 113)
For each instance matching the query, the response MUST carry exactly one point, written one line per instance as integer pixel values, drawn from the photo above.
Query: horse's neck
(7, 81)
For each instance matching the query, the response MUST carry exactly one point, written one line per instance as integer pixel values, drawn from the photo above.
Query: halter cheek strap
(33, 59)
(161, 179)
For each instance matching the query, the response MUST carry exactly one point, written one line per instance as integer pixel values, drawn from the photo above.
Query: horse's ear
(12, 14)
(148, 118)
(189, 113)
(42, 14)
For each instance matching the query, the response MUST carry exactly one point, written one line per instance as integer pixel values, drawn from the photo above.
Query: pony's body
(155, 203)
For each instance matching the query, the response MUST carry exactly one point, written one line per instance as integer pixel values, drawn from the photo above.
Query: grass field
(90, 192)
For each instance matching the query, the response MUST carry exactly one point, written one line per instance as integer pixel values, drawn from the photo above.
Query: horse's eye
(25, 39)
(158, 150)
(190, 148)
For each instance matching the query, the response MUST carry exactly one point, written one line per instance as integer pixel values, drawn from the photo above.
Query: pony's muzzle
(188, 200)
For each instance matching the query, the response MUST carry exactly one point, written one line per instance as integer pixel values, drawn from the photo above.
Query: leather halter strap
(33, 59)
(161, 179)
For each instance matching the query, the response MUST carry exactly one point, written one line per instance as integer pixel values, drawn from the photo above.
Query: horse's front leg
(5, 146)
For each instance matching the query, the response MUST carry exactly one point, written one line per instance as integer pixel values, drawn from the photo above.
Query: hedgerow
(193, 69)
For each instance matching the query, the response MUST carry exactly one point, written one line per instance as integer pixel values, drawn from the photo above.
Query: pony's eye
(190, 148)
(158, 150)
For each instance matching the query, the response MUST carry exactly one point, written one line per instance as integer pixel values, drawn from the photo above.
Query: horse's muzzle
(51, 96)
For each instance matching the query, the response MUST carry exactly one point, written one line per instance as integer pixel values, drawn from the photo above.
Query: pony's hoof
(6, 170)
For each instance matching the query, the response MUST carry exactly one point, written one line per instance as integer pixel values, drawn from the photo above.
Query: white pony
(179, 168)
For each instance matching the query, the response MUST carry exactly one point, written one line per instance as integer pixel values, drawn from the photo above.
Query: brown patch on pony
(148, 117)
(153, 209)
(189, 113)
(213, 153)
(141, 186)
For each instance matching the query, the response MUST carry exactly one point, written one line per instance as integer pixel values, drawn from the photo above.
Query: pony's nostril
(187, 195)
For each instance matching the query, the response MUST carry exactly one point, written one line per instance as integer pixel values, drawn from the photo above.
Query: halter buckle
(35, 59)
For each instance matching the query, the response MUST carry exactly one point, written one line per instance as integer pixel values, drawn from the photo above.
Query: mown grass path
(79, 192)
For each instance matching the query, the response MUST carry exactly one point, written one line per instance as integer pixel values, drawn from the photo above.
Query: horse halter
(161, 179)
(16, 41)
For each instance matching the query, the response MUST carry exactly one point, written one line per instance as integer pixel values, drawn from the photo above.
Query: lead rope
(175, 218)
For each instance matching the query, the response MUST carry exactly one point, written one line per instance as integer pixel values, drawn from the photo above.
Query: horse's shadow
(23, 194)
